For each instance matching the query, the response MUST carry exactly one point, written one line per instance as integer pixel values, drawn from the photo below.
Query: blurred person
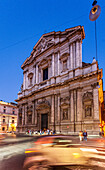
(81, 136)
(85, 135)
(48, 131)
(40, 132)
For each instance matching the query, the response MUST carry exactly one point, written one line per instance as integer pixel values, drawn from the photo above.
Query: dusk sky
(23, 22)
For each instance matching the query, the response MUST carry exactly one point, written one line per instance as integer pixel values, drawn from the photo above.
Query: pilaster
(71, 56)
(79, 105)
(53, 65)
(58, 63)
(72, 107)
(37, 73)
(52, 109)
(96, 103)
(74, 56)
(77, 54)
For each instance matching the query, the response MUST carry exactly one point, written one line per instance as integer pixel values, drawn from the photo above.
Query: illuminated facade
(8, 116)
(59, 90)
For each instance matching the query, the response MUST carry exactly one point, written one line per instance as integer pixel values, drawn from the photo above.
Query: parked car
(52, 151)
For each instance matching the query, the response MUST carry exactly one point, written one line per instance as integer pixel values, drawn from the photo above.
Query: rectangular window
(45, 74)
(65, 65)
(13, 112)
(30, 80)
(4, 110)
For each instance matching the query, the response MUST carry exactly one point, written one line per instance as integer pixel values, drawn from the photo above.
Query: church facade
(59, 91)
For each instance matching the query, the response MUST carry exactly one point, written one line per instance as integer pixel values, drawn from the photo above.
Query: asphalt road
(12, 153)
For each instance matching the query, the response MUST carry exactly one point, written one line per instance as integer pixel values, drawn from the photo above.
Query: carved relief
(65, 114)
(29, 114)
(87, 104)
(44, 44)
(65, 101)
(65, 104)
(44, 104)
(88, 111)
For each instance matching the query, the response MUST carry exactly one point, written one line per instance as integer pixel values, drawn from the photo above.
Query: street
(12, 151)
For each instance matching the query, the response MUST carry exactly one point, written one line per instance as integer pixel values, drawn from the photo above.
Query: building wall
(69, 97)
(8, 116)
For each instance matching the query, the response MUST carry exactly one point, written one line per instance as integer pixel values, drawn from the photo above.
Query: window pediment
(65, 102)
(43, 105)
(64, 56)
(30, 75)
(87, 97)
(45, 62)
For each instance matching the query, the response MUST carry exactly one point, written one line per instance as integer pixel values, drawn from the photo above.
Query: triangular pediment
(43, 44)
(51, 39)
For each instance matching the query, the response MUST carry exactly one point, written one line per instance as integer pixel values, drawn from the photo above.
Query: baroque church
(59, 90)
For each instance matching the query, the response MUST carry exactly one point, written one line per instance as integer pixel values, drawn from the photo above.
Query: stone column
(23, 115)
(80, 54)
(24, 81)
(53, 65)
(58, 108)
(72, 107)
(71, 57)
(33, 119)
(58, 63)
(27, 82)
(74, 58)
(37, 73)
(26, 114)
(75, 108)
(77, 54)
(79, 105)
(17, 117)
(35, 112)
(52, 110)
(34, 76)
(96, 103)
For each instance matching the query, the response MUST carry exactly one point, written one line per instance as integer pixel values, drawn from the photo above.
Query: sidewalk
(92, 140)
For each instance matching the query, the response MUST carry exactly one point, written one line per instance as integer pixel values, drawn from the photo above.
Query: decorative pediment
(44, 43)
(87, 96)
(43, 105)
(64, 56)
(45, 61)
(30, 75)
(65, 101)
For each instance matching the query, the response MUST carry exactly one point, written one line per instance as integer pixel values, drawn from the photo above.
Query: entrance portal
(44, 121)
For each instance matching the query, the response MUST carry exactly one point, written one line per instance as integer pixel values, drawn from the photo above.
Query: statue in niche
(88, 111)
(65, 114)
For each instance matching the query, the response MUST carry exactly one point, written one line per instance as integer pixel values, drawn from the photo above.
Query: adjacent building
(59, 90)
(8, 116)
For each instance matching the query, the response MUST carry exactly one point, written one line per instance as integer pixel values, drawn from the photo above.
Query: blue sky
(23, 22)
